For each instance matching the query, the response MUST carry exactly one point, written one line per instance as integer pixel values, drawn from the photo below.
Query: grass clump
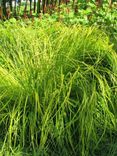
(58, 91)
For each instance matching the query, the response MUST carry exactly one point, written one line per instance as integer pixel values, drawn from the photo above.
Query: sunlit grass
(58, 90)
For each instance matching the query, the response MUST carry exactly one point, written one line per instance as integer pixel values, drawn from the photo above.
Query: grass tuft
(58, 91)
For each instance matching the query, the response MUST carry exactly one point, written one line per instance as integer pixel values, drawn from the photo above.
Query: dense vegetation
(30, 8)
(58, 78)
(58, 90)
(96, 12)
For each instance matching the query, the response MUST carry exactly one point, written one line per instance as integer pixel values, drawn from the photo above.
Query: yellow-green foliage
(58, 90)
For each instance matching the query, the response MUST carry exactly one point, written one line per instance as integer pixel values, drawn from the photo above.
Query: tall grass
(58, 91)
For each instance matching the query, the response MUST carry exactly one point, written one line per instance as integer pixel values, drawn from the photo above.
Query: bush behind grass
(58, 90)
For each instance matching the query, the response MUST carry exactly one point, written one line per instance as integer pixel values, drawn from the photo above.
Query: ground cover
(58, 90)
